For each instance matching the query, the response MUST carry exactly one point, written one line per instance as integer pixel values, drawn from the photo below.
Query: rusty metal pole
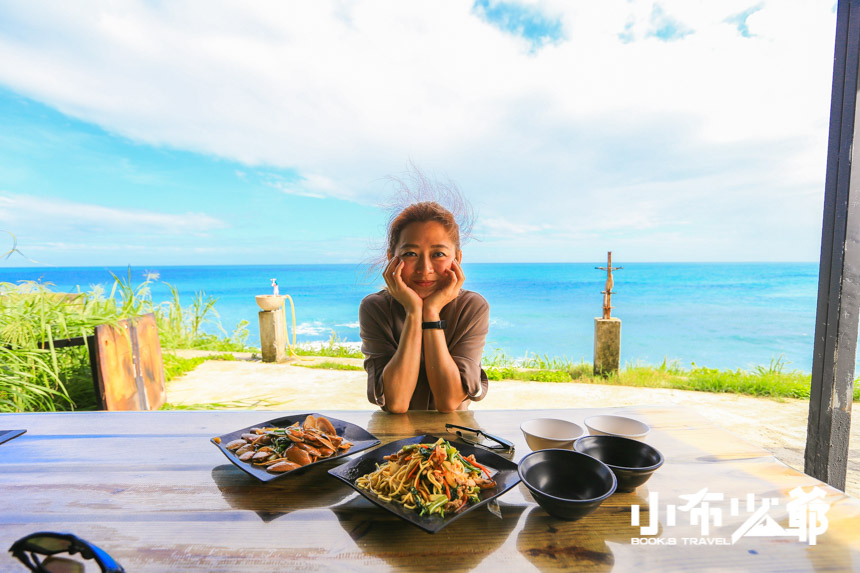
(607, 330)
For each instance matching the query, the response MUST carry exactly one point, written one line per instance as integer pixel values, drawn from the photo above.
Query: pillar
(607, 345)
(273, 335)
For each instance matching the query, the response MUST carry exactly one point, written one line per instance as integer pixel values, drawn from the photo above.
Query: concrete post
(607, 345)
(273, 335)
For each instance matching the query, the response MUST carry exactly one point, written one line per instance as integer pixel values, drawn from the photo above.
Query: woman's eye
(408, 254)
(440, 254)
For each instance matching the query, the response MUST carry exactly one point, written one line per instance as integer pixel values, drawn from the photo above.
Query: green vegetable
(469, 467)
(438, 502)
(418, 501)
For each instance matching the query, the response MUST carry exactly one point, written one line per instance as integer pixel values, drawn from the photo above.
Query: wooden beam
(826, 456)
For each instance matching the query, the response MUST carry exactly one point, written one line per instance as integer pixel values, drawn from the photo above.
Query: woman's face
(427, 252)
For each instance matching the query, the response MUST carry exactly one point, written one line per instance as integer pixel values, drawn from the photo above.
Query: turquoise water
(720, 315)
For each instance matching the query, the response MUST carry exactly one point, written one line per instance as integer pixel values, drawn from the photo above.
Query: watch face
(435, 324)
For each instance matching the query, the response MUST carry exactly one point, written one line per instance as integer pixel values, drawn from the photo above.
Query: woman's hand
(448, 291)
(393, 275)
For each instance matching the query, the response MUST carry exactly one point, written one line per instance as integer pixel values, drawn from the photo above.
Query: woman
(423, 335)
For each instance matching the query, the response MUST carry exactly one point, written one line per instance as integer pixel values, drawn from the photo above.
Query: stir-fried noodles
(429, 478)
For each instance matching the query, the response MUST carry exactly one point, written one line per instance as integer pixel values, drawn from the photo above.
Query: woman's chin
(423, 292)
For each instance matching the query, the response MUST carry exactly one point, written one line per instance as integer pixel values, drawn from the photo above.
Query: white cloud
(499, 226)
(58, 214)
(347, 93)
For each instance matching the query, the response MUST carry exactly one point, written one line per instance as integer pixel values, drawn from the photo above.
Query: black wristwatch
(439, 324)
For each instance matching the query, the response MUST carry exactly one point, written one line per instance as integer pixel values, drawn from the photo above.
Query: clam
(297, 455)
(325, 426)
(246, 448)
(283, 467)
(236, 444)
(310, 449)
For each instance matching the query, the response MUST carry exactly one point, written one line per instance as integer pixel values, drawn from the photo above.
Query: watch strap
(436, 324)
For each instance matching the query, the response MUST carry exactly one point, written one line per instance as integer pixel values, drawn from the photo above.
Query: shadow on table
(468, 541)
(271, 500)
(552, 544)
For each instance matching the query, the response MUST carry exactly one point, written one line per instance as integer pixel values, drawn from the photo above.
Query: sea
(718, 315)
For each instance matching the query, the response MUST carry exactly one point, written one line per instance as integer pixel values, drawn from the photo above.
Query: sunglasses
(46, 543)
(476, 437)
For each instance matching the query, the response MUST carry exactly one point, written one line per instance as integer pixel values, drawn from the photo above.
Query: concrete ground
(778, 426)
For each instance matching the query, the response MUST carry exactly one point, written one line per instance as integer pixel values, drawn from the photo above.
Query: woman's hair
(418, 199)
(422, 212)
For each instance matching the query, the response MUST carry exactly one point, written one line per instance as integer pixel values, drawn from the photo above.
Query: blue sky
(161, 133)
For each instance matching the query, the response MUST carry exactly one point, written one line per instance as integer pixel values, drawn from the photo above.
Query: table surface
(149, 488)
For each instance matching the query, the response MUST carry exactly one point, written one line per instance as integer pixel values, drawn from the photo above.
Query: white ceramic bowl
(606, 425)
(547, 433)
(270, 301)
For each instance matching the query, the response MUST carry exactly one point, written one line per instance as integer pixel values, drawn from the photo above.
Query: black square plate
(361, 440)
(505, 476)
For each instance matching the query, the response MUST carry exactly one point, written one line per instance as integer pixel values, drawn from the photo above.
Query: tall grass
(336, 347)
(37, 376)
(533, 367)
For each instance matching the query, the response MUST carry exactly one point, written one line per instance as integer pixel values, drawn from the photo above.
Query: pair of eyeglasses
(49, 544)
(479, 438)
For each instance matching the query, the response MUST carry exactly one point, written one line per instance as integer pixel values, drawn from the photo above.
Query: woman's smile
(423, 287)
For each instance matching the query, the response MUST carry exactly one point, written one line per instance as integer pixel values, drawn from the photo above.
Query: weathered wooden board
(116, 383)
(149, 361)
(129, 373)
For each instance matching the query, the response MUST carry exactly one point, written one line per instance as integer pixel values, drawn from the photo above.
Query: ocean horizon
(719, 315)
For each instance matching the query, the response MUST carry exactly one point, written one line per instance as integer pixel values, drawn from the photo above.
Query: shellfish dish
(284, 449)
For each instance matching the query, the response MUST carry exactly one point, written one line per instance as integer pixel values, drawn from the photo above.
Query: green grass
(329, 365)
(534, 367)
(510, 373)
(773, 380)
(175, 366)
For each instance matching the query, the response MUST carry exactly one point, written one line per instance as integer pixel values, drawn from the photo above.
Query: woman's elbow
(448, 406)
(396, 408)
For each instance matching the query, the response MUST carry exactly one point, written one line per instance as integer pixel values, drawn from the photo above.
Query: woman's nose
(424, 265)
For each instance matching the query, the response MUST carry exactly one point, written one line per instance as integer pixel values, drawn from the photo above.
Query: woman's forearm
(443, 375)
(400, 375)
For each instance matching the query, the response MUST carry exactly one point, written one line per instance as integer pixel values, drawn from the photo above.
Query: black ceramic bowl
(631, 461)
(566, 484)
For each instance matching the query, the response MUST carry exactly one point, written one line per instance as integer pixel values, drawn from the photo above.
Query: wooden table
(150, 489)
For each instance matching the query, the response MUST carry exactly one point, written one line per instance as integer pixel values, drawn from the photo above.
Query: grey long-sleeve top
(381, 320)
